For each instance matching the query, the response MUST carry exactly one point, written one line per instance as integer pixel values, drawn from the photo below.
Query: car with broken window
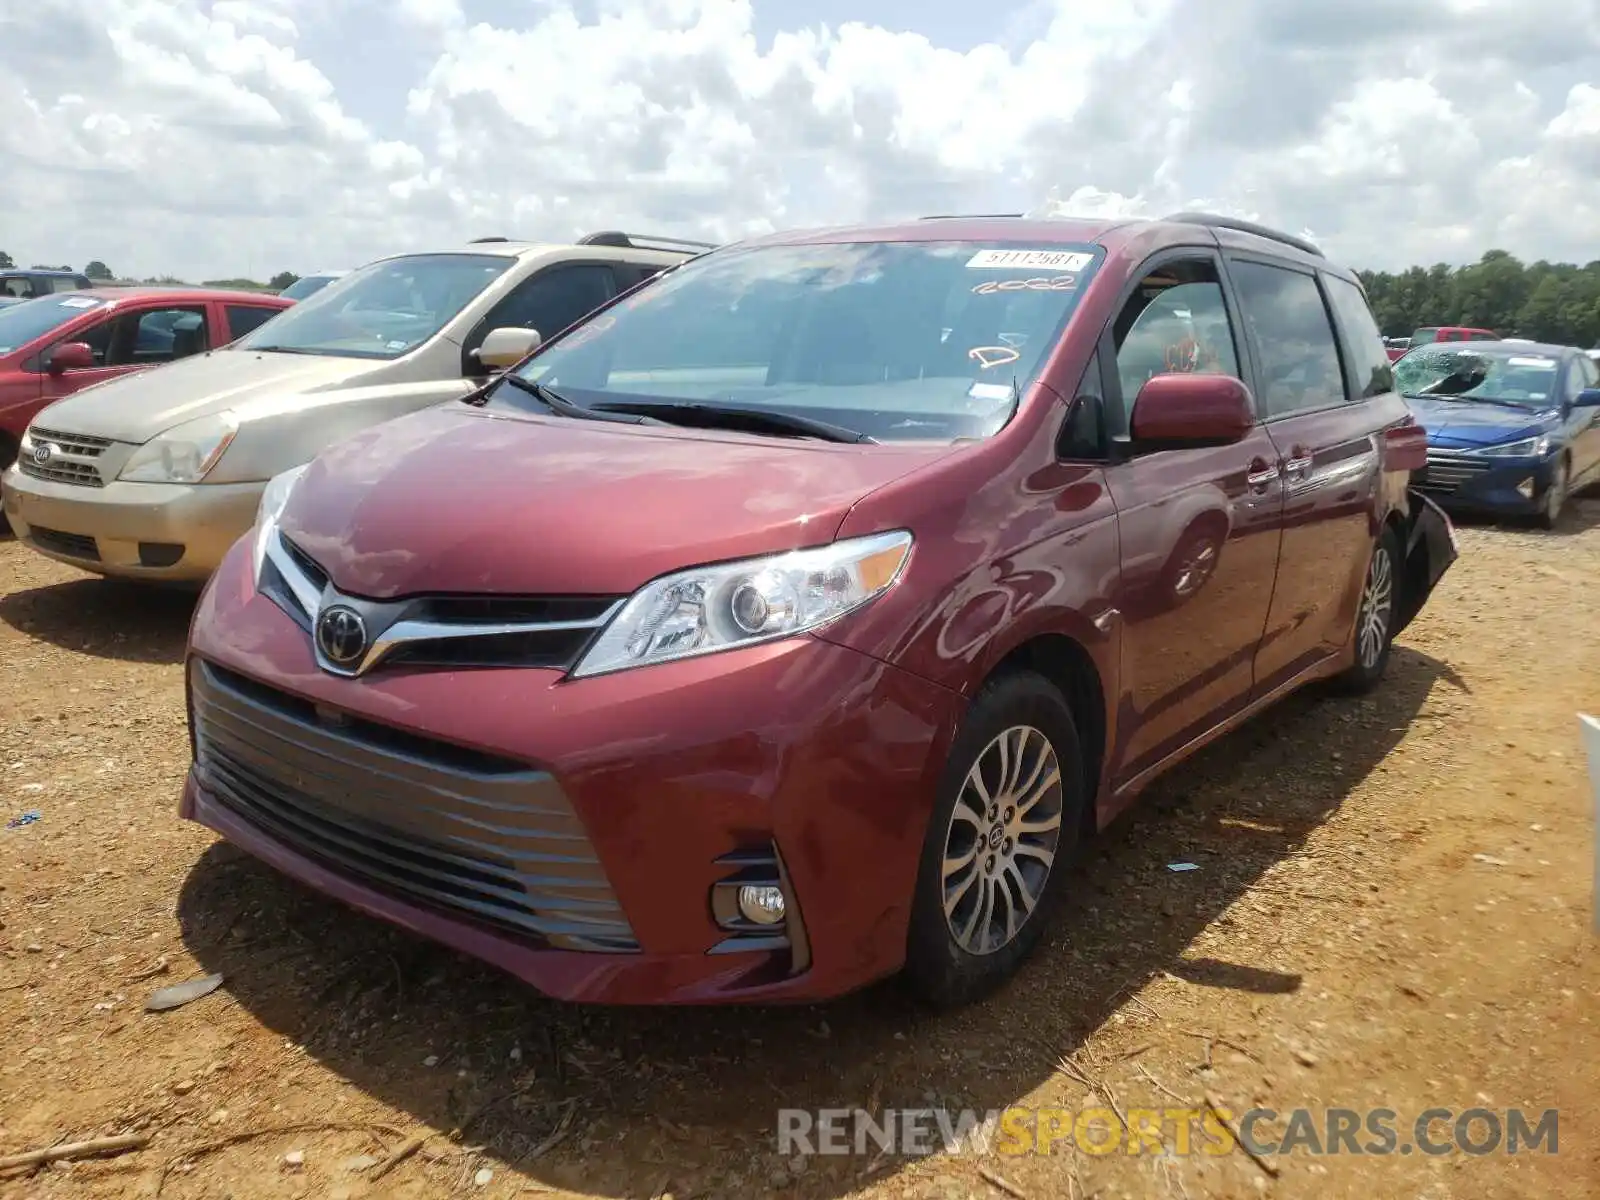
(791, 622)
(1513, 426)
(152, 479)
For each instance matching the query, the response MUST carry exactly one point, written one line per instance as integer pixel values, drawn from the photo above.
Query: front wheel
(1555, 496)
(1008, 816)
(1373, 635)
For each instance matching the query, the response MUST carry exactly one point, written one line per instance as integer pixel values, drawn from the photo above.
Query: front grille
(1446, 472)
(453, 630)
(73, 545)
(72, 461)
(487, 838)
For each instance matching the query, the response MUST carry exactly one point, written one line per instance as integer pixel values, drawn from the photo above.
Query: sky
(218, 138)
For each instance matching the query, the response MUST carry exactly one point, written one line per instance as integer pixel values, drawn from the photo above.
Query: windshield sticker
(989, 391)
(1060, 283)
(989, 357)
(1038, 260)
(1544, 364)
(396, 345)
(79, 302)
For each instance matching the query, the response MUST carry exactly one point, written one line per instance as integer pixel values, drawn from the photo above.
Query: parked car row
(156, 477)
(785, 623)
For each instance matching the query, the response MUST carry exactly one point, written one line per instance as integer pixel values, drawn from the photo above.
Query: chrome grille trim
(72, 459)
(493, 840)
(396, 626)
(1448, 470)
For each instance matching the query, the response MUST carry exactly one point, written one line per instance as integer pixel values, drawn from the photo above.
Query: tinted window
(1363, 344)
(550, 301)
(67, 283)
(242, 318)
(22, 323)
(383, 310)
(898, 340)
(1299, 356)
(1421, 337)
(1084, 435)
(156, 336)
(16, 285)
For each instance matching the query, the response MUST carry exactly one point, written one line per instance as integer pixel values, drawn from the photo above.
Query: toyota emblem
(341, 635)
(42, 453)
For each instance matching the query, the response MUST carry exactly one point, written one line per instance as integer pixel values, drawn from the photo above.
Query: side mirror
(506, 347)
(1588, 398)
(1183, 411)
(71, 356)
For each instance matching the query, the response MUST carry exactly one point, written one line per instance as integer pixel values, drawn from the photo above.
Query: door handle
(1299, 466)
(1260, 475)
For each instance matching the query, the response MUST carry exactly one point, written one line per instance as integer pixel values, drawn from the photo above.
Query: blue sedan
(1513, 427)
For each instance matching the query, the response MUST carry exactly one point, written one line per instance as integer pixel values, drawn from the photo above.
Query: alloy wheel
(1002, 840)
(1377, 601)
(1195, 569)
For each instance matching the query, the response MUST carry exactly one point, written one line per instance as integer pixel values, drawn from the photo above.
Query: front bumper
(613, 805)
(1476, 483)
(154, 531)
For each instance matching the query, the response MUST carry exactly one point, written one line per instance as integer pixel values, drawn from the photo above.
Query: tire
(1373, 633)
(1555, 496)
(957, 959)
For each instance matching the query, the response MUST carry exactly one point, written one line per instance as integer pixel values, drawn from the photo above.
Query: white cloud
(208, 138)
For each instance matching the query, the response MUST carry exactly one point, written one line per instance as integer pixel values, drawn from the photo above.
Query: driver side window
(1175, 322)
(548, 302)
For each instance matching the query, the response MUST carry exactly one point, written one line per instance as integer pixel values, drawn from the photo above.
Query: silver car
(154, 476)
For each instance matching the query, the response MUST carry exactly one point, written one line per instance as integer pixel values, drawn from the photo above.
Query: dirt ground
(1391, 909)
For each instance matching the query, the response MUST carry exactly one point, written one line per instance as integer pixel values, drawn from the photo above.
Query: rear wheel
(1008, 816)
(1373, 635)
(1555, 496)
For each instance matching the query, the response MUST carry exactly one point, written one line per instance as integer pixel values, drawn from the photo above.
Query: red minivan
(62, 343)
(792, 620)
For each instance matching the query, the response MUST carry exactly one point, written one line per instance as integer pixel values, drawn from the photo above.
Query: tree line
(1545, 301)
(100, 273)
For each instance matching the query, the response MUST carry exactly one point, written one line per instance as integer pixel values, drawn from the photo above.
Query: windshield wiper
(755, 420)
(555, 401)
(283, 349)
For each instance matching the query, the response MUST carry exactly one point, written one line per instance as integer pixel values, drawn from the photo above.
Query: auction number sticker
(1041, 260)
(79, 302)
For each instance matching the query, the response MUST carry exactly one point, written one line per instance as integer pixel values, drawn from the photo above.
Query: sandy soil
(1391, 909)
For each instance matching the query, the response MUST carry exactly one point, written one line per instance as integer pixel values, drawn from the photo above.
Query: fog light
(763, 905)
(1525, 489)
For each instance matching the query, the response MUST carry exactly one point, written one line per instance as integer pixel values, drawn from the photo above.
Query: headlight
(1534, 447)
(734, 604)
(274, 499)
(184, 453)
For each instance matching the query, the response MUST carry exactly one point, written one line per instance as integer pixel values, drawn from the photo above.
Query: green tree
(6, 261)
(1553, 302)
(98, 270)
(282, 280)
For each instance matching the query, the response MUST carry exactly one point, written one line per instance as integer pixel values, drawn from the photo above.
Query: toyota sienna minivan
(790, 622)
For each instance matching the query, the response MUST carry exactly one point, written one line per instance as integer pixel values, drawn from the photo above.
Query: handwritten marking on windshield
(989, 357)
(1060, 283)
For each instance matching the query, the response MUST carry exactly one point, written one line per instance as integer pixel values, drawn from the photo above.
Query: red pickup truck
(1443, 333)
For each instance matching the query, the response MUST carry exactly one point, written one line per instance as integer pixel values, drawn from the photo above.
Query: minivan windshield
(1498, 376)
(891, 340)
(22, 323)
(381, 311)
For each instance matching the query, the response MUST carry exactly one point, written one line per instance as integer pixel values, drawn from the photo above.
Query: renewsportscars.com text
(1263, 1132)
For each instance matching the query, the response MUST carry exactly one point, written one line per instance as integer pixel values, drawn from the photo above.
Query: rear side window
(243, 318)
(1363, 343)
(1299, 353)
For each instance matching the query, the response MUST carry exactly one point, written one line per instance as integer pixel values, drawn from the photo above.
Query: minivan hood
(1463, 425)
(461, 500)
(136, 407)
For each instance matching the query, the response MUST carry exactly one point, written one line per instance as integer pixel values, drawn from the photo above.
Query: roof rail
(480, 241)
(1216, 221)
(967, 216)
(640, 241)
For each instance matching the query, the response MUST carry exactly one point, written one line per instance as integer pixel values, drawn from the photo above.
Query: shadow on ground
(105, 618)
(691, 1096)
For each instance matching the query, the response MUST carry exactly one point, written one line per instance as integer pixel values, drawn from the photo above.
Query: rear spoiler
(1430, 550)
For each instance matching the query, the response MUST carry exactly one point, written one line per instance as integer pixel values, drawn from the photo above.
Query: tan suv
(154, 476)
